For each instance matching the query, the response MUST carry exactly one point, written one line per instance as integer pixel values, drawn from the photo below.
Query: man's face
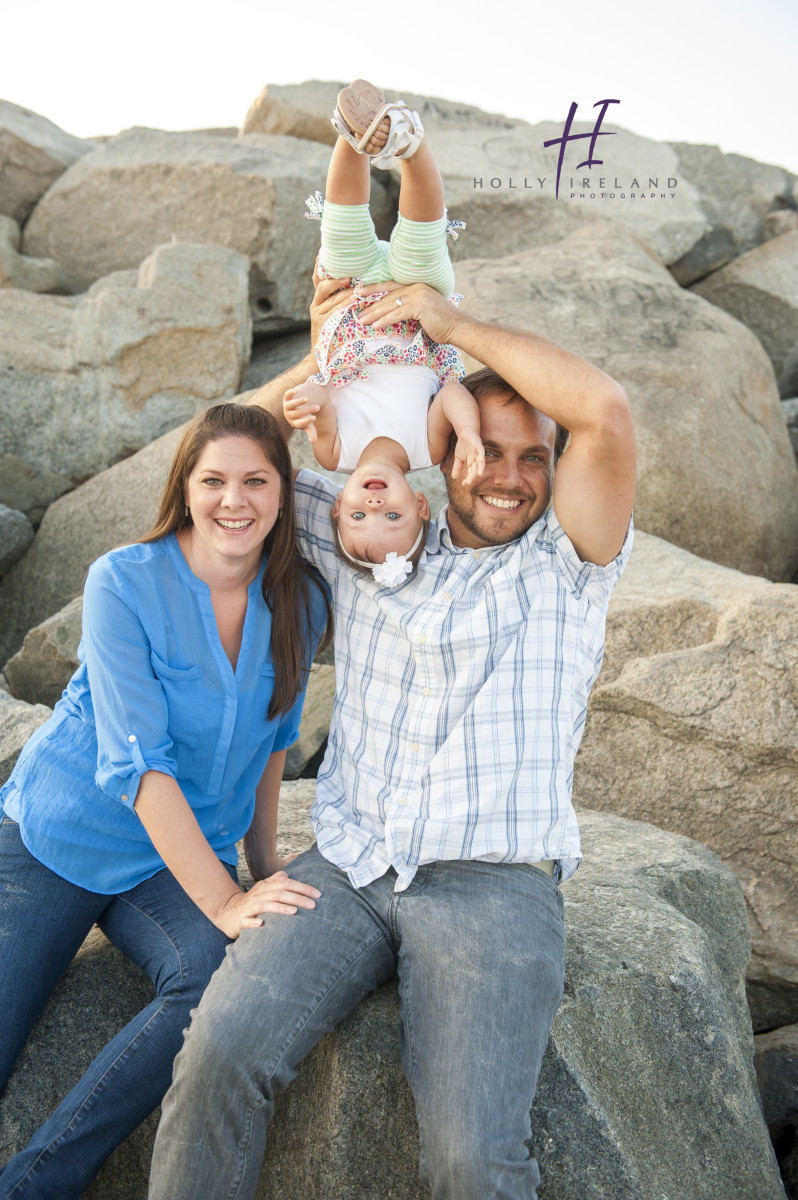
(516, 487)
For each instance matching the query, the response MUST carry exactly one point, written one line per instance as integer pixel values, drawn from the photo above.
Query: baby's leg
(349, 245)
(418, 251)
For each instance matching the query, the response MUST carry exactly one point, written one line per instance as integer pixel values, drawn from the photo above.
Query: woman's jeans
(479, 949)
(43, 921)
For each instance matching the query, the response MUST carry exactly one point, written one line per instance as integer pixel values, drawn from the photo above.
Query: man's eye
(392, 516)
(357, 516)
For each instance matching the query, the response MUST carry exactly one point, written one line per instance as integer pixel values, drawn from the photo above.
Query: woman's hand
(277, 894)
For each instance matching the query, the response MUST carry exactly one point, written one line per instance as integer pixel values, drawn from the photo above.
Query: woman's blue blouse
(154, 691)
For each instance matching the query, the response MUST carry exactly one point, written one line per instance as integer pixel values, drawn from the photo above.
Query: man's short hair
(487, 382)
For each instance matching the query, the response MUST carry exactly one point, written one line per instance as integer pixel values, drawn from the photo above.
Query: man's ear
(423, 506)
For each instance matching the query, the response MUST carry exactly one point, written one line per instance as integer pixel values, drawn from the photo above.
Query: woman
(168, 745)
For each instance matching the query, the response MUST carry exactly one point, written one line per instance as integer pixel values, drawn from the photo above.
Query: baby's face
(378, 512)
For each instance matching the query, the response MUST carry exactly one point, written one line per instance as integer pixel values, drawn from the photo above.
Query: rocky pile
(133, 273)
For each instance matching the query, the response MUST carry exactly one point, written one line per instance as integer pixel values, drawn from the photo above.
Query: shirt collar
(440, 536)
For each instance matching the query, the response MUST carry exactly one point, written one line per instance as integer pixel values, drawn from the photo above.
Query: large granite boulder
(18, 721)
(693, 723)
(738, 196)
(16, 534)
(647, 1087)
(33, 153)
(304, 109)
(761, 290)
(148, 187)
(29, 274)
(48, 658)
(88, 380)
(716, 472)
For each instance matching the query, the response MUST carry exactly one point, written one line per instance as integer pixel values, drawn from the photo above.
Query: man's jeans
(479, 949)
(43, 920)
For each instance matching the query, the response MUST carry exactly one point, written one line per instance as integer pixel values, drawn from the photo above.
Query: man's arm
(594, 483)
(330, 294)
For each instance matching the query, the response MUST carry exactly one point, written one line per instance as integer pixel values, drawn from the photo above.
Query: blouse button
(131, 737)
(123, 796)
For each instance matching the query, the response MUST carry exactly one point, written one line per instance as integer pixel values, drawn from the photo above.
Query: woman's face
(234, 494)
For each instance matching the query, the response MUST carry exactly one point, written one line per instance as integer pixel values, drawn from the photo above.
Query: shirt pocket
(186, 700)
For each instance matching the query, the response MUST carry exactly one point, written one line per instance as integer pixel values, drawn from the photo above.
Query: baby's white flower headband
(396, 567)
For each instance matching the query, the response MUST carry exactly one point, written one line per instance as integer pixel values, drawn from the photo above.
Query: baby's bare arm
(454, 408)
(309, 407)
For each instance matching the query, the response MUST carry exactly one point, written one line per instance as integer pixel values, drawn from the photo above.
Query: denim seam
(158, 924)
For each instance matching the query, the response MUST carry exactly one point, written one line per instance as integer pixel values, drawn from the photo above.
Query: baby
(385, 401)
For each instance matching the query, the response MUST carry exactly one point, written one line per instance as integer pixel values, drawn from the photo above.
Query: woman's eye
(212, 481)
(392, 516)
(255, 482)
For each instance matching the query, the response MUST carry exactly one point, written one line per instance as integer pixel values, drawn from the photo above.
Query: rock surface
(707, 418)
(738, 196)
(42, 668)
(246, 194)
(88, 380)
(761, 290)
(33, 153)
(16, 534)
(657, 945)
(776, 1064)
(315, 723)
(18, 721)
(694, 723)
(790, 410)
(29, 274)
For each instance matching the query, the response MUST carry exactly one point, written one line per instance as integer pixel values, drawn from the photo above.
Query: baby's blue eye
(358, 516)
(392, 516)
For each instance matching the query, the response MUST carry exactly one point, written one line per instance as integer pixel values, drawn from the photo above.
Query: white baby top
(392, 402)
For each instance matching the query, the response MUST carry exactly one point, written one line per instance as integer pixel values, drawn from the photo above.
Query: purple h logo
(567, 136)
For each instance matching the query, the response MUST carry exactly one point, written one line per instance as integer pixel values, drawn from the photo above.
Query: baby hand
(469, 455)
(300, 412)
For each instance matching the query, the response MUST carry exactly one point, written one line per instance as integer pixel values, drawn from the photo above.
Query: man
(443, 812)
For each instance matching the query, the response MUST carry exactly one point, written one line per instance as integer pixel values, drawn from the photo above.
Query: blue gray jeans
(43, 920)
(479, 950)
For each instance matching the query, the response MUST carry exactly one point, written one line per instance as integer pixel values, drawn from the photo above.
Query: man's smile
(501, 502)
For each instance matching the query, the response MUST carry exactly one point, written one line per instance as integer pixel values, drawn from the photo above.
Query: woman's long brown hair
(287, 578)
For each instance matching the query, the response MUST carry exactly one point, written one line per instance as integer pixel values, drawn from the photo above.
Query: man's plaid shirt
(460, 698)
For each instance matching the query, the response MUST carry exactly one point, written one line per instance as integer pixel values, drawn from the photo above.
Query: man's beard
(471, 518)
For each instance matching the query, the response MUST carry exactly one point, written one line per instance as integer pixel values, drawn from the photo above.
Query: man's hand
(420, 302)
(330, 295)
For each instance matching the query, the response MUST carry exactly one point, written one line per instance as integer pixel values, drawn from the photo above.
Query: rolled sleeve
(129, 705)
(587, 580)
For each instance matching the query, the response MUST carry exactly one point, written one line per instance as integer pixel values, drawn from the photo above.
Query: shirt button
(131, 737)
(403, 802)
(414, 746)
(124, 796)
(423, 638)
(425, 691)
(447, 595)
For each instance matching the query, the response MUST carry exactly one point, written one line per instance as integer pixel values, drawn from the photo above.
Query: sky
(685, 70)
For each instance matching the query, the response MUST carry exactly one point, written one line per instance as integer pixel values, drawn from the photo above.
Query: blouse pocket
(186, 700)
